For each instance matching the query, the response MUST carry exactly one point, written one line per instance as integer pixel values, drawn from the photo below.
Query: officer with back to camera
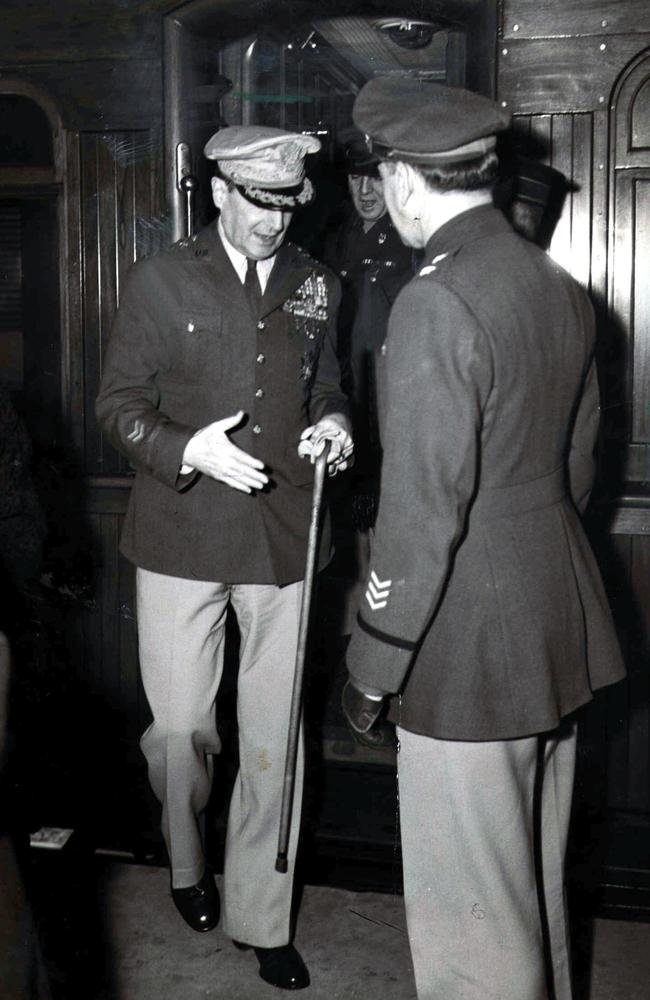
(220, 380)
(484, 611)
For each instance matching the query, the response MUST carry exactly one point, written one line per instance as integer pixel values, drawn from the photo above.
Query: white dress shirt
(239, 261)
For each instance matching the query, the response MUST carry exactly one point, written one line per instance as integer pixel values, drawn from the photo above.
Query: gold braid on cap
(276, 198)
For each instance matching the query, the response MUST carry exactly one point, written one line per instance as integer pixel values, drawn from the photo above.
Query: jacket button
(261, 324)
(259, 393)
(257, 429)
(261, 358)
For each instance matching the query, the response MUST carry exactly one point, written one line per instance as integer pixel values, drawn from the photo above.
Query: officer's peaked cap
(426, 123)
(358, 158)
(266, 164)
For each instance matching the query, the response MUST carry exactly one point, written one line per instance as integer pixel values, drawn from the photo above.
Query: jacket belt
(535, 494)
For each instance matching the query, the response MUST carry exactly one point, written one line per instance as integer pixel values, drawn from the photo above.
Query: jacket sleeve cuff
(334, 406)
(376, 664)
(367, 689)
(185, 479)
(167, 452)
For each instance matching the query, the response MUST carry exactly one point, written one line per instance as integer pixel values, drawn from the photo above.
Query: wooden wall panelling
(120, 187)
(625, 561)
(82, 29)
(91, 250)
(638, 682)
(599, 206)
(629, 298)
(571, 153)
(630, 125)
(100, 94)
(110, 178)
(641, 307)
(565, 143)
(603, 724)
(615, 558)
(132, 197)
(562, 74)
(559, 18)
(71, 300)
(622, 272)
(581, 197)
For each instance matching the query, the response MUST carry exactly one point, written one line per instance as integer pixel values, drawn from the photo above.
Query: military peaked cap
(359, 159)
(537, 182)
(266, 164)
(426, 123)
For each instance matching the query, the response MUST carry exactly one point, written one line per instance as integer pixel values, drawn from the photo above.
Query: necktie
(252, 286)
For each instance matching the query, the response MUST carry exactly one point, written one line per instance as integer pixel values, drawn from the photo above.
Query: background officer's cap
(358, 158)
(266, 164)
(537, 182)
(426, 123)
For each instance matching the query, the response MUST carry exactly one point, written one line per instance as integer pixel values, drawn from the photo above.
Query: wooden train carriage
(103, 114)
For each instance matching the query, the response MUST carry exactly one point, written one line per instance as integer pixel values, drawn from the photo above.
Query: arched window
(25, 133)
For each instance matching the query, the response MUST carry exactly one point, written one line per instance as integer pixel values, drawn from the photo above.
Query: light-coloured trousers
(471, 815)
(181, 632)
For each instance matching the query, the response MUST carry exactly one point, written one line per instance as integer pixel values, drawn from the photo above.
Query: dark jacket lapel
(289, 272)
(211, 256)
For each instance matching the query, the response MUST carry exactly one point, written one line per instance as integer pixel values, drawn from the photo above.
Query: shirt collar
(478, 223)
(238, 260)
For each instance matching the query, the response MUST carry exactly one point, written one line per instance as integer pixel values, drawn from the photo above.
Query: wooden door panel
(629, 293)
(121, 191)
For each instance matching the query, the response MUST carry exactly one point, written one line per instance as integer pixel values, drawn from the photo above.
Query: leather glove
(360, 709)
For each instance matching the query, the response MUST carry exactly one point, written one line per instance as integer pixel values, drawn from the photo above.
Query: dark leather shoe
(199, 904)
(381, 736)
(282, 967)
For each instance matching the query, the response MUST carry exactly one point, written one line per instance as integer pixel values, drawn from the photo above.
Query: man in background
(373, 263)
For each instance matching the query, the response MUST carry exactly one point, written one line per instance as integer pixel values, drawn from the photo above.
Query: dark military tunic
(484, 604)
(373, 266)
(185, 351)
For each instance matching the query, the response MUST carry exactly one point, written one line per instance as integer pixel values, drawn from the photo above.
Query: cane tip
(281, 864)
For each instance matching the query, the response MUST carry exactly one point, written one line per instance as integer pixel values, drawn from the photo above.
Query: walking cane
(296, 697)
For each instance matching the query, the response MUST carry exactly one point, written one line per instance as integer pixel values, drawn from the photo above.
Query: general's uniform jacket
(484, 606)
(185, 351)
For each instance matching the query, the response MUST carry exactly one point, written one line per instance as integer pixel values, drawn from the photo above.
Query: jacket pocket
(298, 471)
(200, 355)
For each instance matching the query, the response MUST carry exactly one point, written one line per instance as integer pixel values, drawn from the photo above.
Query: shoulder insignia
(433, 266)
